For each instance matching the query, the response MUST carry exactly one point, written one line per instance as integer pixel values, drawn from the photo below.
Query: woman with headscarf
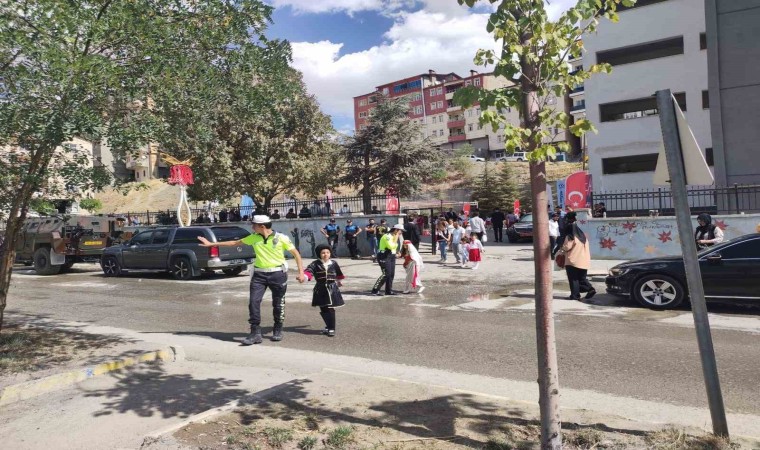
(577, 259)
(413, 265)
(707, 234)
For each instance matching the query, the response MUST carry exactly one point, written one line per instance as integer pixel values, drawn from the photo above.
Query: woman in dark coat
(327, 296)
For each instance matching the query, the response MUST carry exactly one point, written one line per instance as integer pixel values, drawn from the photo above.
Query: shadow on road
(149, 390)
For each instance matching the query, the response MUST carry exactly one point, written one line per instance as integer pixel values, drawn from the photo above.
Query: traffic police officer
(269, 271)
(386, 257)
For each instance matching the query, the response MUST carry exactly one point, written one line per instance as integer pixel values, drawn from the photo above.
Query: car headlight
(616, 271)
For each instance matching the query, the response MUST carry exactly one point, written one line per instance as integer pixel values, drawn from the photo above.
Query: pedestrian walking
(326, 294)
(464, 249)
(332, 232)
(553, 233)
(350, 233)
(577, 254)
(497, 222)
(413, 265)
(388, 250)
(707, 234)
(370, 230)
(269, 272)
(457, 233)
(443, 238)
(478, 225)
(411, 233)
(474, 251)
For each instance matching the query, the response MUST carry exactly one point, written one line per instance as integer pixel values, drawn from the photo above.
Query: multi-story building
(657, 44)
(447, 125)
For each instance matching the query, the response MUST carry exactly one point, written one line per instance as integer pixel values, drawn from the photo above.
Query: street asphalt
(473, 322)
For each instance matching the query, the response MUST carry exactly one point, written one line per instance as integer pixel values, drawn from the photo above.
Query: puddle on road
(643, 314)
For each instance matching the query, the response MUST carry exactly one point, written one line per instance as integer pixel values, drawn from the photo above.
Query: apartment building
(657, 44)
(447, 125)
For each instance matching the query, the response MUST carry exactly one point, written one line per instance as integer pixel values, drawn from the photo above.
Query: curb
(34, 388)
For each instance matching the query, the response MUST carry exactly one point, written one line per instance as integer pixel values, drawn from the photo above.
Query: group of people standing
(462, 239)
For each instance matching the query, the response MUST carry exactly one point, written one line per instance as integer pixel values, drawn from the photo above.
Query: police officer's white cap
(398, 227)
(261, 219)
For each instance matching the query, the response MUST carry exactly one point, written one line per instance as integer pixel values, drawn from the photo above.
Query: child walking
(464, 250)
(327, 296)
(413, 265)
(475, 248)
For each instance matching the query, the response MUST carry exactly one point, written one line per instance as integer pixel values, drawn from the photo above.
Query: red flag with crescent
(577, 190)
(516, 208)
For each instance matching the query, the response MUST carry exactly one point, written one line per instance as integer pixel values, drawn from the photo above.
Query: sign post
(681, 164)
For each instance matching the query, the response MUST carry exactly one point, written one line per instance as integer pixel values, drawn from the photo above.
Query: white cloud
(443, 36)
(417, 41)
(347, 6)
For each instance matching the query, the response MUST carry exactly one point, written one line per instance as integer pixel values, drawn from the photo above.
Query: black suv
(523, 229)
(177, 250)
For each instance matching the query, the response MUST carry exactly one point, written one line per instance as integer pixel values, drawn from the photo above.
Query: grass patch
(340, 437)
(584, 438)
(248, 431)
(311, 421)
(498, 444)
(307, 443)
(277, 437)
(231, 439)
(678, 439)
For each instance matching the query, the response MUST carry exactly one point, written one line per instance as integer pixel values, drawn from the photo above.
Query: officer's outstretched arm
(206, 243)
(299, 262)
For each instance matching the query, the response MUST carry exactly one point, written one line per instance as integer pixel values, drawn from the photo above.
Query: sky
(346, 48)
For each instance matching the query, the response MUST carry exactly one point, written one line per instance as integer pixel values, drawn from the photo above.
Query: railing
(734, 199)
(577, 89)
(318, 207)
(578, 107)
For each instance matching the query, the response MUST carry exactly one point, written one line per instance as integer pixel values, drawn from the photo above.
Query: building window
(432, 92)
(362, 127)
(634, 109)
(703, 41)
(476, 82)
(363, 114)
(709, 157)
(480, 127)
(440, 104)
(638, 4)
(705, 100)
(468, 83)
(440, 132)
(642, 52)
(440, 90)
(373, 99)
(477, 112)
(385, 91)
(363, 102)
(629, 164)
(432, 105)
(499, 138)
(441, 118)
(469, 127)
(417, 97)
(418, 109)
(434, 117)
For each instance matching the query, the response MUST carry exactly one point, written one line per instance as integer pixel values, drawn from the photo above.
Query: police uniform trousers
(277, 282)
(332, 241)
(387, 262)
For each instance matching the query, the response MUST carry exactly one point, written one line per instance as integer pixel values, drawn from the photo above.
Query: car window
(229, 233)
(188, 235)
(142, 238)
(161, 236)
(528, 218)
(749, 249)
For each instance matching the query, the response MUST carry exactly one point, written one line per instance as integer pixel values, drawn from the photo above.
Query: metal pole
(677, 174)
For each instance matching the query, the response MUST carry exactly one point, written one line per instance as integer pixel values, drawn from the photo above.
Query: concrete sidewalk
(118, 410)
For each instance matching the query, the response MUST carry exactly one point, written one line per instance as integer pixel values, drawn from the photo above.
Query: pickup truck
(177, 251)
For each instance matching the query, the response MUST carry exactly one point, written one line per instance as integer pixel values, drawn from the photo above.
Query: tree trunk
(548, 379)
(366, 184)
(7, 256)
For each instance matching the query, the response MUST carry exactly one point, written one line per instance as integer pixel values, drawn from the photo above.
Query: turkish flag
(517, 208)
(391, 202)
(466, 209)
(577, 190)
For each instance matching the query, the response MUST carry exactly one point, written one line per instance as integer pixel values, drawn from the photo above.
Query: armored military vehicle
(53, 244)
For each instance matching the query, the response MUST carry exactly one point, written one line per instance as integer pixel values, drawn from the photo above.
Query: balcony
(458, 137)
(575, 57)
(456, 123)
(577, 90)
(579, 108)
(138, 163)
(453, 108)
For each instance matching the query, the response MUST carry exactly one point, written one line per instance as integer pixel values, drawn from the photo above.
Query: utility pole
(678, 181)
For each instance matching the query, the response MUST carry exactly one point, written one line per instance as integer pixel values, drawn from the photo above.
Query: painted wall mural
(648, 237)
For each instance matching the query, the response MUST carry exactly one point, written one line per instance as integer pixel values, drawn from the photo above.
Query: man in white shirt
(344, 211)
(478, 225)
(553, 232)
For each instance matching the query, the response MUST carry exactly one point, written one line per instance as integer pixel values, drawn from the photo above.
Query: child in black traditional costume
(327, 274)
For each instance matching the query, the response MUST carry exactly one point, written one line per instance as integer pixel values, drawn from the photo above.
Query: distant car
(515, 157)
(476, 158)
(730, 272)
(560, 157)
(521, 230)
(178, 251)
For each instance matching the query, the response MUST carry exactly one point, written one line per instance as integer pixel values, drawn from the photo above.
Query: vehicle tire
(110, 266)
(658, 291)
(519, 160)
(233, 272)
(181, 268)
(67, 265)
(42, 262)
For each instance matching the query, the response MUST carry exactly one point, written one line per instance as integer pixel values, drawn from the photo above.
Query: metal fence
(316, 207)
(734, 199)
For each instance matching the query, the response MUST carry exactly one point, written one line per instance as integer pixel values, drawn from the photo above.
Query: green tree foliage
(91, 204)
(390, 153)
(88, 69)
(486, 192)
(499, 190)
(508, 188)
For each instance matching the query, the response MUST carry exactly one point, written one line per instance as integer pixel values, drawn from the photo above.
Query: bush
(91, 204)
